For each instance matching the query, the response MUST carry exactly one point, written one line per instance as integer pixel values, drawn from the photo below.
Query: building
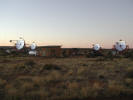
(69, 52)
(49, 51)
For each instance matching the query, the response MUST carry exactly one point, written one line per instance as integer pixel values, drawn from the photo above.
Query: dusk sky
(70, 23)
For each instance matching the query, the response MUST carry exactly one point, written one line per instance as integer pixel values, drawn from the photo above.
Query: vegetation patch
(129, 72)
(65, 78)
(30, 63)
(51, 67)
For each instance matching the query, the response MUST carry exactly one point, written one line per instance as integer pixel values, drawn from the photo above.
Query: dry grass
(29, 78)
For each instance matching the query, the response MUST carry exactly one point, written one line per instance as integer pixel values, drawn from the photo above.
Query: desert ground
(77, 78)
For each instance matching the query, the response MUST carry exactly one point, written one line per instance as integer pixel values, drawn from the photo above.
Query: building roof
(50, 46)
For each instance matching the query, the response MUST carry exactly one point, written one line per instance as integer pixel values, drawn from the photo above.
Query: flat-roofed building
(49, 51)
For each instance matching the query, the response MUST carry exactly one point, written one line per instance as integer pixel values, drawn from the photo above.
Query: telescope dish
(96, 47)
(33, 46)
(20, 44)
(120, 45)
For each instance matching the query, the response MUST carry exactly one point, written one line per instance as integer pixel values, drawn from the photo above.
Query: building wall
(75, 52)
(57, 51)
(49, 51)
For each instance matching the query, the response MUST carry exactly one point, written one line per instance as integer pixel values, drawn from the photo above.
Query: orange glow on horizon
(63, 46)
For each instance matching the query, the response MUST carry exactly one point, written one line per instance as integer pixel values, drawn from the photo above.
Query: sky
(70, 23)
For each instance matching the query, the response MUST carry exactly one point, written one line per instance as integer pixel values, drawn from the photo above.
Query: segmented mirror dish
(120, 45)
(96, 47)
(33, 46)
(20, 44)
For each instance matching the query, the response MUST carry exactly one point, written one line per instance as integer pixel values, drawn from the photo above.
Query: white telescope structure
(33, 49)
(19, 43)
(96, 47)
(120, 46)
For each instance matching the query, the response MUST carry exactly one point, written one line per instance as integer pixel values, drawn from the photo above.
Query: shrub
(129, 72)
(100, 59)
(114, 89)
(129, 82)
(21, 69)
(129, 54)
(30, 63)
(51, 67)
(110, 55)
(27, 87)
(2, 82)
